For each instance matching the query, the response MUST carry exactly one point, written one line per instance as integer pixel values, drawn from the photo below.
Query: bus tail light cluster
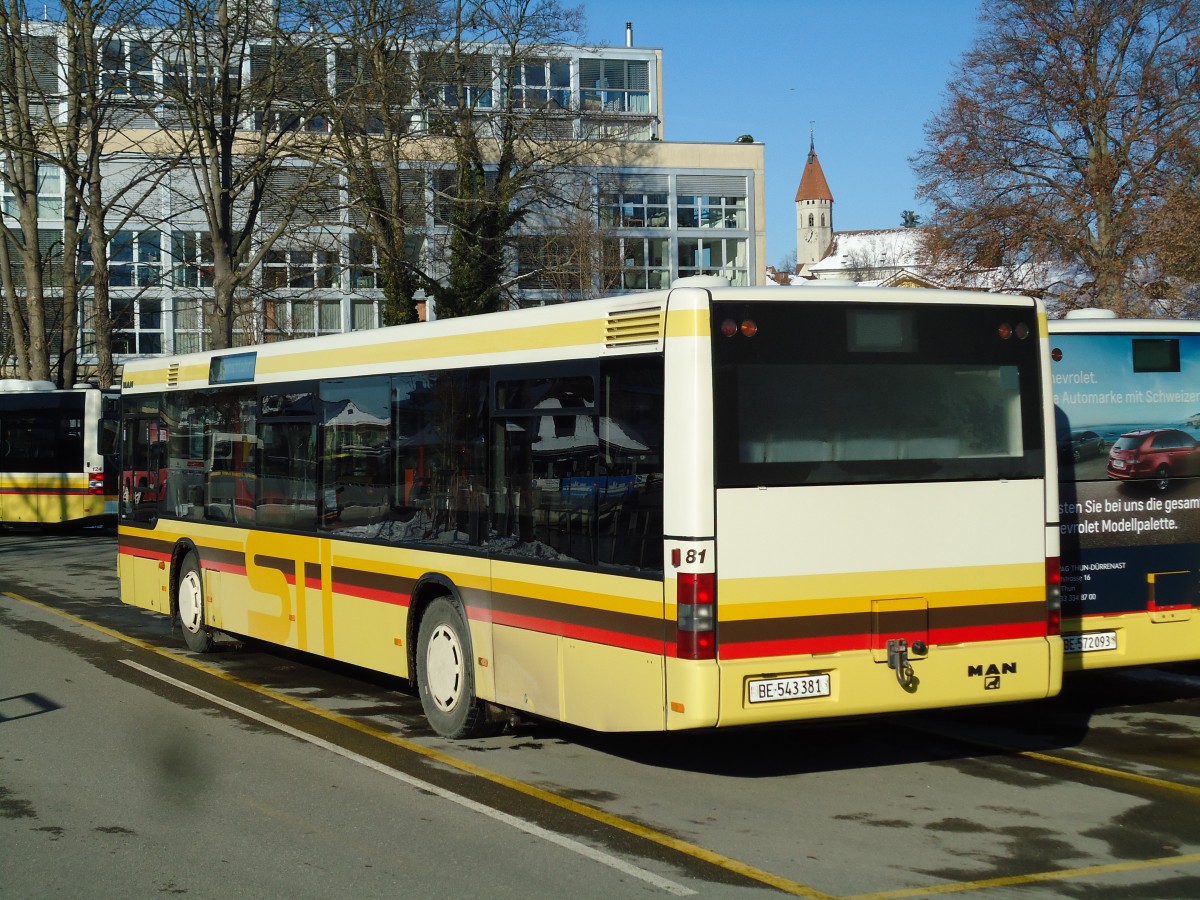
(95, 483)
(1053, 596)
(696, 602)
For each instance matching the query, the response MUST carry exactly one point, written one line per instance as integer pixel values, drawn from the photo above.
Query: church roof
(813, 185)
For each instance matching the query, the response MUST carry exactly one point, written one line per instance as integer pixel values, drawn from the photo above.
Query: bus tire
(446, 675)
(189, 605)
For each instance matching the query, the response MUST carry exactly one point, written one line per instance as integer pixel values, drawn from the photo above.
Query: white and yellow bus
(700, 507)
(58, 454)
(1127, 397)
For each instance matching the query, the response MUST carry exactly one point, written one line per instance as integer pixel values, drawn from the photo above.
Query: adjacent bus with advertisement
(701, 507)
(58, 454)
(1127, 396)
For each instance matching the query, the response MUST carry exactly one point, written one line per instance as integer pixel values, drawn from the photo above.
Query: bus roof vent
(640, 326)
(173, 375)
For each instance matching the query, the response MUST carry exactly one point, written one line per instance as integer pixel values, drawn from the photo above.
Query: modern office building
(662, 210)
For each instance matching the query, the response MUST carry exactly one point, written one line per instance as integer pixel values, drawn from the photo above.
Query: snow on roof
(884, 248)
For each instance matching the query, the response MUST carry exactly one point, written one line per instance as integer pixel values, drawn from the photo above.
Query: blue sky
(864, 75)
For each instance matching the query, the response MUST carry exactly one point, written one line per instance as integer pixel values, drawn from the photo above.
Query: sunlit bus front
(881, 508)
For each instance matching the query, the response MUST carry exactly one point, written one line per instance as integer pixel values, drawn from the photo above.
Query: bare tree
(377, 136)
(243, 90)
(109, 90)
(572, 256)
(510, 150)
(1173, 245)
(29, 259)
(1057, 138)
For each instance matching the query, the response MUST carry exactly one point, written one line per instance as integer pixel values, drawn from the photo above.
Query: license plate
(1118, 463)
(1092, 640)
(793, 687)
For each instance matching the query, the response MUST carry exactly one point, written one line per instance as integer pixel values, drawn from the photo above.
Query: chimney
(628, 34)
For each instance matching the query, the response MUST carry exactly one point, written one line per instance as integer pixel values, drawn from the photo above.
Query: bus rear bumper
(793, 689)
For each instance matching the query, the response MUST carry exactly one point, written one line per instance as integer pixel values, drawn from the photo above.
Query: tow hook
(897, 659)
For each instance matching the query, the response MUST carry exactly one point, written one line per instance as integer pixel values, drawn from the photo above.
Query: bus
(700, 507)
(58, 454)
(1127, 398)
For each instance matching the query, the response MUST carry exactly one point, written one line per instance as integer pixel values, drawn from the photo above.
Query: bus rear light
(1053, 596)
(95, 484)
(696, 605)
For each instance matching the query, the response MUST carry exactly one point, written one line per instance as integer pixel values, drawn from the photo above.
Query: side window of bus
(439, 491)
(287, 444)
(631, 465)
(355, 456)
(545, 478)
(208, 468)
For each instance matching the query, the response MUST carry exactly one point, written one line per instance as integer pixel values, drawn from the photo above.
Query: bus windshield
(817, 393)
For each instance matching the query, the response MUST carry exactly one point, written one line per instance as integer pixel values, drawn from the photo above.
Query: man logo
(991, 674)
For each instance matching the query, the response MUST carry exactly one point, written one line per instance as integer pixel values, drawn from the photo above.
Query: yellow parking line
(1118, 774)
(1013, 880)
(1161, 783)
(665, 840)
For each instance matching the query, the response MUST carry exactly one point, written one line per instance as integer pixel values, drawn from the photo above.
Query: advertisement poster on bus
(1127, 409)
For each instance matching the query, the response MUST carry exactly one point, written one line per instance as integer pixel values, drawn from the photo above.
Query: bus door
(138, 507)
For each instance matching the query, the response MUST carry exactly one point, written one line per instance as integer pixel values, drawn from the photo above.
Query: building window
(127, 68)
(134, 259)
(49, 194)
(300, 269)
(728, 257)
(633, 208)
(614, 85)
(700, 211)
(363, 314)
(810, 220)
(645, 263)
(287, 318)
(538, 83)
(190, 333)
(445, 190)
(463, 82)
(137, 325)
(192, 259)
(363, 266)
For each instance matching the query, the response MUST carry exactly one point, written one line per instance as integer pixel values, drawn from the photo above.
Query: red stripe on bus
(144, 554)
(579, 632)
(836, 643)
(365, 593)
(45, 492)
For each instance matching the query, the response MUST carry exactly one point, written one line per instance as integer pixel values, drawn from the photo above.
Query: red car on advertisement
(1156, 453)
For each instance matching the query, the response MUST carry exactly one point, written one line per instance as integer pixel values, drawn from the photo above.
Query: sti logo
(991, 674)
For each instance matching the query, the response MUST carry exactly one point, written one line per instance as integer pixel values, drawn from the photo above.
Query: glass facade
(162, 266)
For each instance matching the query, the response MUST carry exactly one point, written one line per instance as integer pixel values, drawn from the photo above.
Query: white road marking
(606, 859)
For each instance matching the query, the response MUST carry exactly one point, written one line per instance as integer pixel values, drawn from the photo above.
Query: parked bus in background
(58, 454)
(692, 508)
(1127, 393)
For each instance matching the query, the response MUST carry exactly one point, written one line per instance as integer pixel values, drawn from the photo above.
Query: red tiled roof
(812, 183)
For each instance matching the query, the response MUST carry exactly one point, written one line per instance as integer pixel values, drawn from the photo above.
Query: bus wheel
(446, 677)
(189, 599)
(1162, 479)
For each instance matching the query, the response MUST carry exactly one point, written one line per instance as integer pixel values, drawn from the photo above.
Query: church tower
(814, 212)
